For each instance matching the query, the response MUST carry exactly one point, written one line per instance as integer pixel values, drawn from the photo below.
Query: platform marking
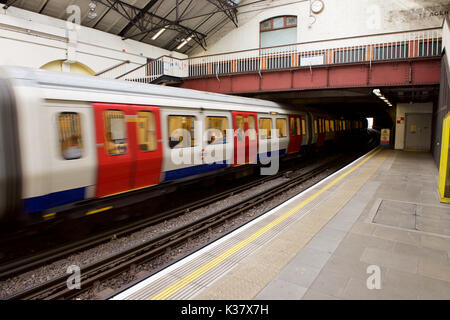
(169, 291)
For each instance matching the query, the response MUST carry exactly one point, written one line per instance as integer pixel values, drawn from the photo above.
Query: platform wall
(339, 19)
(442, 108)
(402, 110)
(33, 40)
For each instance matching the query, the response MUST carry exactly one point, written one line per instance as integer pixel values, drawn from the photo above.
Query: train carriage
(70, 139)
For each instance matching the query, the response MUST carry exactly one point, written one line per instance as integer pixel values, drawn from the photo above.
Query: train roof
(69, 81)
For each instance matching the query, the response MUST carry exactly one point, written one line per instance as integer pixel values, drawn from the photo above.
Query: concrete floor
(394, 222)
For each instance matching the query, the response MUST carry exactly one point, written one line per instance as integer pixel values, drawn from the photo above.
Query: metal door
(295, 133)
(245, 137)
(418, 132)
(148, 148)
(123, 162)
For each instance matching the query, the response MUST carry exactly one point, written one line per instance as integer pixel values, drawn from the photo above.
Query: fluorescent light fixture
(377, 92)
(156, 35)
(181, 45)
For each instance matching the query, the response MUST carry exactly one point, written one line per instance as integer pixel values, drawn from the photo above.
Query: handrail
(317, 41)
(113, 67)
(375, 47)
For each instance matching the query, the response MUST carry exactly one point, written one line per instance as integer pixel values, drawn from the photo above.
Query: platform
(382, 213)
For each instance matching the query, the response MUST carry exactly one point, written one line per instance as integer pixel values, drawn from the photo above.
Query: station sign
(384, 138)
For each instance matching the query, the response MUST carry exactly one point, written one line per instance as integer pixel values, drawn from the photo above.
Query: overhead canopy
(188, 21)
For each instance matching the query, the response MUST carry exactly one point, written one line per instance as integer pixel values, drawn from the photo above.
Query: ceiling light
(181, 45)
(377, 92)
(159, 33)
(92, 6)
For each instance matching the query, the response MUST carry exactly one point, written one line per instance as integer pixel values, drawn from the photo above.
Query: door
(128, 147)
(148, 150)
(245, 138)
(321, 132)
(418, 132)
(295, 133)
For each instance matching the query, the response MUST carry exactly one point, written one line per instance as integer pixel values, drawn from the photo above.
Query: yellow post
(444, 174)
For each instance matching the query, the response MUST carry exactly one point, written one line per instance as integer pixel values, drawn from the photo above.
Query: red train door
(123, 162)
(295, 136)
(245, 137)
(321, 137)
(148, 150)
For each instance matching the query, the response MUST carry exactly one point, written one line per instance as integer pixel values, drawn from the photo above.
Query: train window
(332, 125)
(146, 131)
(181, 131)
(299, 132)
(265, 128)
(281, 125)
(70, 142)
(217, 129)
(115, 132)
(343, 124)
(323, 125)
(292, 126)
(315, 126)
(251, 128)
(240, 128)
(327, 125)
(320, 126)
(303, 126)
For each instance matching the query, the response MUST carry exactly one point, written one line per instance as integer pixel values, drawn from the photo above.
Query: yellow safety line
(49, 215)
(164, 294)
(98, 210)
(135, 189)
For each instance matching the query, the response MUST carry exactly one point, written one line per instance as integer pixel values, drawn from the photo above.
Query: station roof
(141, 20)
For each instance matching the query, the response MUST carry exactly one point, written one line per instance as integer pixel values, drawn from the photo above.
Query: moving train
(71, 142)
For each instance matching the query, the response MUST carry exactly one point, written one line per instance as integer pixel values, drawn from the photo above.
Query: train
(75, 142)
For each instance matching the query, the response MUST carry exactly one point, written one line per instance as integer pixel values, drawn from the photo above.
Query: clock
(317, 6)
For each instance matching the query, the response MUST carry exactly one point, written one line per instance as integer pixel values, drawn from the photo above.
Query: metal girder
(140, 15)
(143, 20)
(228, 7)
(7, 3)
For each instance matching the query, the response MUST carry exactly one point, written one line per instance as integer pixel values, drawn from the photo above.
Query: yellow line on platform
(98, 210)
(169, 291)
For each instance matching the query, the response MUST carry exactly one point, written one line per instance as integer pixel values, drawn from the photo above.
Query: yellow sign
(384, 138)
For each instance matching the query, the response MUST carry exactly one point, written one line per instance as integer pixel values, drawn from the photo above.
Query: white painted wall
(402, 109)
(32, 40)
(340, 18)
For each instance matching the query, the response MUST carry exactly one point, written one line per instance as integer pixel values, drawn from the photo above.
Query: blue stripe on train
(191, 171)
(53, 199)
(264, 156)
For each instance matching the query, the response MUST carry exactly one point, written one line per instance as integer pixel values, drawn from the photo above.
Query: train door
(148, 150)
(295, 133)
(321, 132)
(245, 137)
(128, 156)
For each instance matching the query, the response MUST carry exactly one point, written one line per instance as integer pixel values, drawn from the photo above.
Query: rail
(115, 70)
(371, 48)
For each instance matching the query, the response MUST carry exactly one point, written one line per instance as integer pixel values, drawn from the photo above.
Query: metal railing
(116, 70)
(382, 47)
(153, 70)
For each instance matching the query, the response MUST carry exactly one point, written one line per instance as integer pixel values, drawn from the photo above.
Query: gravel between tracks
(58, 268)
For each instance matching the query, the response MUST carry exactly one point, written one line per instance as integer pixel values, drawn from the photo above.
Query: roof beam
(140, 15)
(129, 11)
(228, 7)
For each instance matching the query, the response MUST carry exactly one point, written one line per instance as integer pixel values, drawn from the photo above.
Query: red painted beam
(378, 74)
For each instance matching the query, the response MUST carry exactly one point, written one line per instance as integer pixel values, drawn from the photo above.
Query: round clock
(317, 6)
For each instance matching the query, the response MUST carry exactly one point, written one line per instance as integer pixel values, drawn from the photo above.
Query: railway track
(115, 264)
(22, 265)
